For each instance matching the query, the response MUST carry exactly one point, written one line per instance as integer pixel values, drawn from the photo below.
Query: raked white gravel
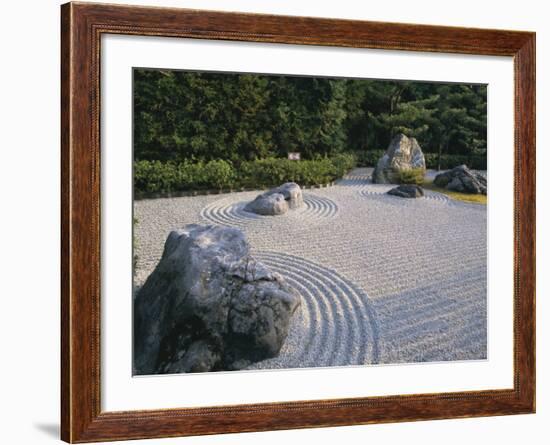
(382, 279)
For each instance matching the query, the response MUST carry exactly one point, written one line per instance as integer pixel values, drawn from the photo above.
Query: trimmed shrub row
(371, 157)
(165, 177)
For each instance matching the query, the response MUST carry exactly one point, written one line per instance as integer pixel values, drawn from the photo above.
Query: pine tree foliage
(190, 116)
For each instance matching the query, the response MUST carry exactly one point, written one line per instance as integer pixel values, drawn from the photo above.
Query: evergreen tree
(181, 115)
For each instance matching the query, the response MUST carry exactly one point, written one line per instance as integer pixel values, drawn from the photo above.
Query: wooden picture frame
(82, 25)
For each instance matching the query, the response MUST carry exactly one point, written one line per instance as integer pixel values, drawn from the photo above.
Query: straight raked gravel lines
(382, 279)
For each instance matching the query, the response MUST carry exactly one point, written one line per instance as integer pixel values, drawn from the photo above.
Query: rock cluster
(407, 191)
(403, 153)
(208, 306)
(277, 201)
(462, 179)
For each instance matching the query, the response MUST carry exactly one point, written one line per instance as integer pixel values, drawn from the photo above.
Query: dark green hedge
(163, 177)
(368, 158)
(451, 161)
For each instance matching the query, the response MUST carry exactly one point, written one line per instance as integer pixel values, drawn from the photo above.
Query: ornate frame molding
(82, 25)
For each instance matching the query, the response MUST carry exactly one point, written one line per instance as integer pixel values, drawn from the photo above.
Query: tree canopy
(201, 116)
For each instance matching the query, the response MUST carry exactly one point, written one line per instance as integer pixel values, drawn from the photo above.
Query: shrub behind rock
(164, 177)
(413, 176)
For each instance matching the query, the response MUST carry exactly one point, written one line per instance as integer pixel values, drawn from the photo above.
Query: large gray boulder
(403, 153)
(277, 201)
(407, 191)
(209, 306)
(462, 179)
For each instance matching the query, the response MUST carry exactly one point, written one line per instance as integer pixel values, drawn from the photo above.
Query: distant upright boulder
(462, 179)
(209, 305)
(277, 201)
(403, 153)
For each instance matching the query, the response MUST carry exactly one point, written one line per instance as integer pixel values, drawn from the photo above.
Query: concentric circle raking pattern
(356, 178)
(360, 180)
(371, 190)
(335, 324)
(230, 212)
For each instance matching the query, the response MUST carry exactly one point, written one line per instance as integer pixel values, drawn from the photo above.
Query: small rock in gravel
(407, 191)
(268, 204)
(292, 193)
(277, 201)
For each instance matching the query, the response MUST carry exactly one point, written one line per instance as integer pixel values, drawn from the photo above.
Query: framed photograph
(274, 222)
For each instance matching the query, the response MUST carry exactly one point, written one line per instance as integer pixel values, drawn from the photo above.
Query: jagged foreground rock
(462, 179)
(407, 191)
(209, 306)
(277, 201)
(403, 153)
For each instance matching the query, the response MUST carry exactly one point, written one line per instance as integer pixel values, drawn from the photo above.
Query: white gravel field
(383, 279)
